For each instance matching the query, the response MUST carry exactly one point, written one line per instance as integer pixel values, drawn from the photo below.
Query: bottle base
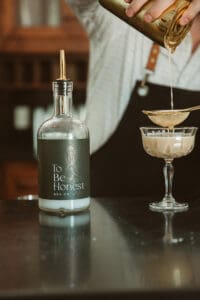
(63, 207)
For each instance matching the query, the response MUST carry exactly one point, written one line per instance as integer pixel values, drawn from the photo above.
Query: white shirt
(118, 55)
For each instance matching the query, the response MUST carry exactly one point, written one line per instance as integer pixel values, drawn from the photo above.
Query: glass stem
(168, 172)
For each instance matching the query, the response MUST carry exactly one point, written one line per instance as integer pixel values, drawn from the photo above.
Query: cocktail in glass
(168, 144)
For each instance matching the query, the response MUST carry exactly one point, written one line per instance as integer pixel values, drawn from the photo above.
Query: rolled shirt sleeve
(88, 13)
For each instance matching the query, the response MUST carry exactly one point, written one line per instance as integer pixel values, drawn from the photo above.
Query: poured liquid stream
(171, 79)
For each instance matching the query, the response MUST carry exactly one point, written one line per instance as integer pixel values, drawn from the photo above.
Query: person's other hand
(158, 6)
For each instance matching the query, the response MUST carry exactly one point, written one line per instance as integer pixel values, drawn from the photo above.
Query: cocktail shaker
(165, 30)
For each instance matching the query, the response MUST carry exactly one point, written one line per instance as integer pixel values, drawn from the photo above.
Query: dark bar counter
(117, 249)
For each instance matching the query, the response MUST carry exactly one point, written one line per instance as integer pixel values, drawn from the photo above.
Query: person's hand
(158, 6)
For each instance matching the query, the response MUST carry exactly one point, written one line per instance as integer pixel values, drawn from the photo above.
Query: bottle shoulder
(63, 127)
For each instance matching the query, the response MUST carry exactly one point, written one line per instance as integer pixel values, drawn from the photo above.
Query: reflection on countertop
(115, 247)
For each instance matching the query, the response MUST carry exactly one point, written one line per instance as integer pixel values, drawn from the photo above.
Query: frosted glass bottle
(63, 157)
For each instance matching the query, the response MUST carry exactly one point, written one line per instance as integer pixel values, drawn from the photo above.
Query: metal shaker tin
(165, 30)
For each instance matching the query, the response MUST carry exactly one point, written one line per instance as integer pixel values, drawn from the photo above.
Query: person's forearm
(158, 6)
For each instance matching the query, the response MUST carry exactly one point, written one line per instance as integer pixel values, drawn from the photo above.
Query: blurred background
(31, 35)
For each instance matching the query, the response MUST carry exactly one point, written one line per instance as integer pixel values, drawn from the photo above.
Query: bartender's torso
(122, 168)
(118, 55)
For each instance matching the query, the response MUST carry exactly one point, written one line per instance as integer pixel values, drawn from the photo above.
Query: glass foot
(170, 241)
(166, 206)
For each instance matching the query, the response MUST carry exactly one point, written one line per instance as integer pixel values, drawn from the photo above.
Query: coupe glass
(168, 144)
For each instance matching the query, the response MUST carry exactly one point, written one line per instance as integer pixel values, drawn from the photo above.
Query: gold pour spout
(62, 66)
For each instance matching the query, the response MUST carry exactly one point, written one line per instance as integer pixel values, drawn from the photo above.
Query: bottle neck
(62, 92)
(63, 105)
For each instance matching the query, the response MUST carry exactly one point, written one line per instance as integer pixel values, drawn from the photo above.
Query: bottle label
(63, 169)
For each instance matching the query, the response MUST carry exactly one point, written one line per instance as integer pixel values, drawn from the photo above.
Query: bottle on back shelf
(63, 154)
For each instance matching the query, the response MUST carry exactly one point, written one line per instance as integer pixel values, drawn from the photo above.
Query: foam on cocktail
(168, 147)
